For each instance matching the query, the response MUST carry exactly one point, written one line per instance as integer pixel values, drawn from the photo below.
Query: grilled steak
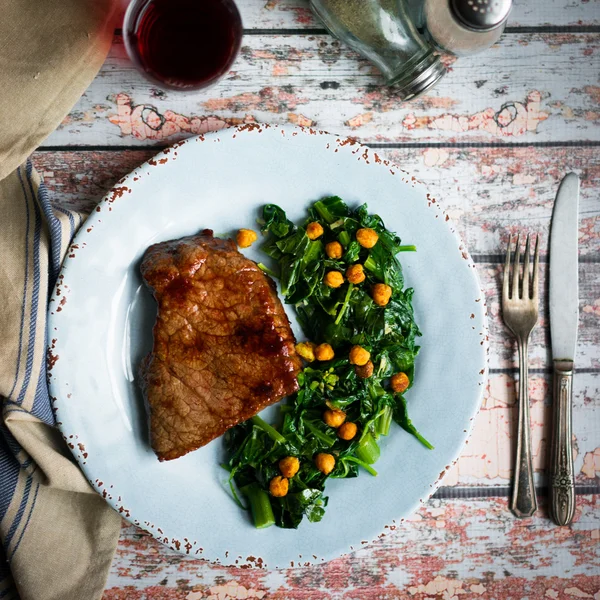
(223, 346)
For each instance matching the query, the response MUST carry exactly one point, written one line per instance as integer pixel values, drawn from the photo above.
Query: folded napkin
(57, 535)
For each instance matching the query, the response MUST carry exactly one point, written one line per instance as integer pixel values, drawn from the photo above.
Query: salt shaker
(464, 27)
(383, 32)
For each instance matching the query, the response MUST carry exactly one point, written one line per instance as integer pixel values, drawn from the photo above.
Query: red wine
(183, 44)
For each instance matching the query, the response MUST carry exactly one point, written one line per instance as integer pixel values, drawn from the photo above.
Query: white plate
(101, 318)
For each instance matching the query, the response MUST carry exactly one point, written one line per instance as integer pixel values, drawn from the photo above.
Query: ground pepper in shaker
(465, 27)
(382, 31)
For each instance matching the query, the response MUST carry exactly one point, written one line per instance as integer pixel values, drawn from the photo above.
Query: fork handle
(562, 479)
(524, 501)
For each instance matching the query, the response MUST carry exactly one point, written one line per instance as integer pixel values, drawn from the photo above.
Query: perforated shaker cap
(481, 15)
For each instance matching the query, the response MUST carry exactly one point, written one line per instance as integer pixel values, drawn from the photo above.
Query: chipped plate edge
(57, 312)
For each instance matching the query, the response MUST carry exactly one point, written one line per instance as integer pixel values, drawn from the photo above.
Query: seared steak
(223, 347)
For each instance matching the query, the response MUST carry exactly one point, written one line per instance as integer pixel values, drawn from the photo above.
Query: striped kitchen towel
(58, 536)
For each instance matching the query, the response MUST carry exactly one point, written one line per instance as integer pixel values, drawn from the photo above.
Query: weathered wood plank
(488, 458)
(503, 351)
(510, 96)
(296, 14)
(491, 192)
(285, 14)
(79, 178)
(483, 190)
(448, 550)
(530, 88)
(488, 192)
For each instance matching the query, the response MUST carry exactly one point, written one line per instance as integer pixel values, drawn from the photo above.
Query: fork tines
(532, 292)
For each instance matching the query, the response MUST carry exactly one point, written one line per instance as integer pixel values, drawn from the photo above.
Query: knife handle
(562, 479)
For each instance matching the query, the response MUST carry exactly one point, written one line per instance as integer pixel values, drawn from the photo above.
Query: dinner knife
(564, 316)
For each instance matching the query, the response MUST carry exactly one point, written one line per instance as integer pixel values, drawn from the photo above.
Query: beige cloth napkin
(57, 535)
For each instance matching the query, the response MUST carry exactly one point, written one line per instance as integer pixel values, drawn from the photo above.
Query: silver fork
(520, 312)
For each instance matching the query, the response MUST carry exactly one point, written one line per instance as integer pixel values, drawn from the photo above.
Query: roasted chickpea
(289, 466)
(334, 417)
(333, 279)
(306, 350)
(399, 382)
(245, 238)
(324, 462)
(381, 294)
(364, 371)
(278, 486)
(355, 274)
(334, 250)
(314, 230)
(367, 237)
(347, 431)
(359, 356)
(324, 352)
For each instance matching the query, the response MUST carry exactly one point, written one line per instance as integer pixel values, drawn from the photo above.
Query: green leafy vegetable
(342, 317)
(260, 505)
(275, 221)
(401, 417)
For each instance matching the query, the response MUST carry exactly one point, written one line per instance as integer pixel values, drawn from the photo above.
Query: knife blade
(564, 292)
(564, 318)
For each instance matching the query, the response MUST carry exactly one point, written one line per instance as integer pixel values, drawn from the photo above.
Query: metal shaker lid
(409, 84)
(481, 15)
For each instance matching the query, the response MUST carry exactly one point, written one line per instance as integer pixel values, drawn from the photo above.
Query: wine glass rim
(128, 22)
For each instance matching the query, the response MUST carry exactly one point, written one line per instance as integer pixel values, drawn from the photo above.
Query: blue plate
(101, 319)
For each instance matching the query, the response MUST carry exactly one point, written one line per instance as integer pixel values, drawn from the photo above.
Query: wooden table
(492, 141)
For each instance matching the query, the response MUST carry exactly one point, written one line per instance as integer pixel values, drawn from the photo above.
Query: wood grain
(293, 14)
(487, 192)
(491, 141)
(488, 458)
(490, 200)
(448, 550)
(503, 350)
(482, 191)
(264, 15)
(314, 80)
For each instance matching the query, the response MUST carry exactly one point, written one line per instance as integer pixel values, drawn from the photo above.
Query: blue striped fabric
(9, 469)
(69, 215)
(35, 282)
(54, 227)
(46, 229)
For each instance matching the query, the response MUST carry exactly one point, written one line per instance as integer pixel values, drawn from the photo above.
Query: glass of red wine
(183, 44)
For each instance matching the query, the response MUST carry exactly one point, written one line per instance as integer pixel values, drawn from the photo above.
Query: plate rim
(116, 192)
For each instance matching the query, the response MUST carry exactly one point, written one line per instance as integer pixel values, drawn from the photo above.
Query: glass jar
(382, 31)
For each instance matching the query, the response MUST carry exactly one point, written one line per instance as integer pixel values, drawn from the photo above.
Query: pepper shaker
(465, 27)
(383, 32)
